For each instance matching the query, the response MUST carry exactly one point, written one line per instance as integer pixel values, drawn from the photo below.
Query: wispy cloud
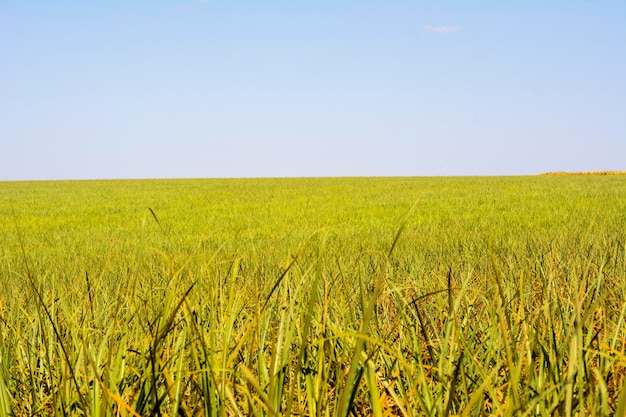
(441, 29)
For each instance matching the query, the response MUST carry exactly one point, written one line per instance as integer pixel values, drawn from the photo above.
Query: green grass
(336, 296)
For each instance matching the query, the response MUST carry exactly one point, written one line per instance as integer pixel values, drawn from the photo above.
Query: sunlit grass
(370, 296)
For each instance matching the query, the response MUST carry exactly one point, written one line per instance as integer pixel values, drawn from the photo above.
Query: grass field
(335, 296)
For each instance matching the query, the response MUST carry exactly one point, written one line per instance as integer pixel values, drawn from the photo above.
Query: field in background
(329, 296)
(587, 173)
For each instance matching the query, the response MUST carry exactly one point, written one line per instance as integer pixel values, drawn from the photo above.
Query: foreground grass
(384, 296)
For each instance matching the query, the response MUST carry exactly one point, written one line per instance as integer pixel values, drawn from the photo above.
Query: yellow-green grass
(383, 296)
(586, 173)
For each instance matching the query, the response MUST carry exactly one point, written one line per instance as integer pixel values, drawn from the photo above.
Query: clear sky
(217, 88)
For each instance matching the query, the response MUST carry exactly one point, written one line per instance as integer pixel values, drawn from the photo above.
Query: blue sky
(187, 88)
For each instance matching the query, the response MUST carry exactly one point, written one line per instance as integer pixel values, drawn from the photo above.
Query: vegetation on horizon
(586, 173)
(334, 296)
